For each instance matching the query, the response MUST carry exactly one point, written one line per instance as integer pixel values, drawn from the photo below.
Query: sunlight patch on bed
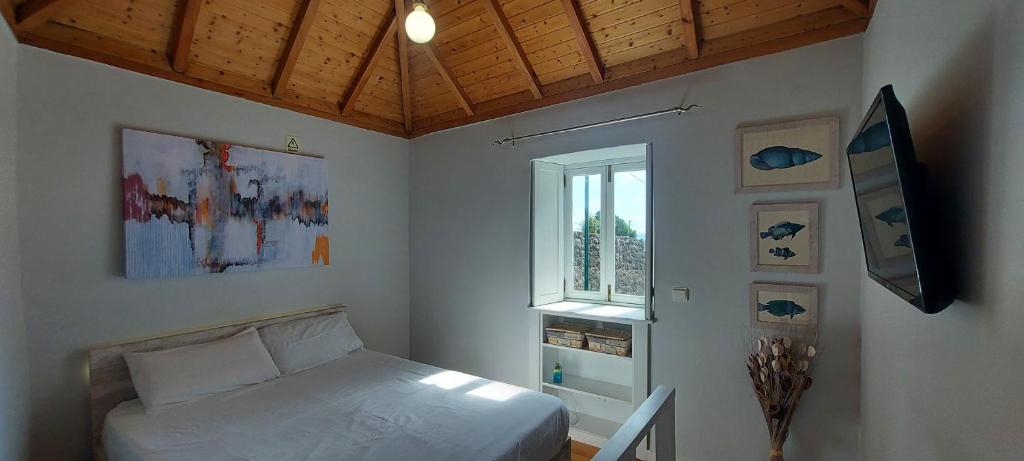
(499, 392)
(448, 380)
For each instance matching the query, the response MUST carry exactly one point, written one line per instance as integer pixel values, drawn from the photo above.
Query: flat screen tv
(901, 240)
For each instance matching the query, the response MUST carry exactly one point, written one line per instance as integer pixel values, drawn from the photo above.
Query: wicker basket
(615, 342)
(567, 334)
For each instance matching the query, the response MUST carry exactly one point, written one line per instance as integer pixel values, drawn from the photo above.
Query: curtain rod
(678, 110)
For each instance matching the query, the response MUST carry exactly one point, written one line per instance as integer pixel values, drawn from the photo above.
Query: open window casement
(547, 273)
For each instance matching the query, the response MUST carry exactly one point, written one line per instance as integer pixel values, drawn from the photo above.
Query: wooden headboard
(110, 383)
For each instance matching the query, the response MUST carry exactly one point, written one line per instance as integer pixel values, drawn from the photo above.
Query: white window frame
(607, 292)
(622, 167)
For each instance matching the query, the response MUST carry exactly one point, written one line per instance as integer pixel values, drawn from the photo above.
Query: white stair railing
(657, 412)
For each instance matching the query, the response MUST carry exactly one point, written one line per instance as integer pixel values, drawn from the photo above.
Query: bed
(365, 406)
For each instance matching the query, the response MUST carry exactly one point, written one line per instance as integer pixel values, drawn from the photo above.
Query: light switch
(680, 294)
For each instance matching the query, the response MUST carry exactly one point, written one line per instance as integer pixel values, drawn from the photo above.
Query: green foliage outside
(622, 228)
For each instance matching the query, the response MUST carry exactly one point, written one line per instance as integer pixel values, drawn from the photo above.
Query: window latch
(609, 293)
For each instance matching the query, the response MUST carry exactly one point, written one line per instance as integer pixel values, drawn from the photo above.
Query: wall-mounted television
(897, 219)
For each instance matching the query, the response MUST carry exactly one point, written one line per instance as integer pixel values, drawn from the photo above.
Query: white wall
(470, 246)
(13, 367)
(70, 115)
(949, 386)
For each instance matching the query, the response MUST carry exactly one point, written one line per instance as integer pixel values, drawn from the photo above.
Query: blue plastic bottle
(556, 377)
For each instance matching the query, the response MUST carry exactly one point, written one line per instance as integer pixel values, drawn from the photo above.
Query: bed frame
(110, 383)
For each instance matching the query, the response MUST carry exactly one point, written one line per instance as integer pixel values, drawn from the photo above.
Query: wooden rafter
(362, 77)
(689, 29)
(512, 43)
(576, 88)
(35, 13)
(7, 9)
(857, 7)
(72, 49)
(181, 41)
(403, 64)
(446, 74)
(572, 11)
(638, 42)
(300, 30)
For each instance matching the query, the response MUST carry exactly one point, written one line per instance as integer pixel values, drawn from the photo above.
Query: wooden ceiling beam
(362, 76)
(358, 119)
(403, 64)
(446, 74)
(572, 11)
(185, 31)
(857, 7)
(35, 13)
(689, 29)
(7, 10)
(577, 88)
(478, 74)
(300, 30)
(512, 43)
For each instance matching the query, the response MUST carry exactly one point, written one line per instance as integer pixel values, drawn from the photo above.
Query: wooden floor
(582, 451)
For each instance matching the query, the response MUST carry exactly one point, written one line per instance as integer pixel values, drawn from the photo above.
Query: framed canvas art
(194, 206)
(786, 156)
(773, 305)
(784, 237)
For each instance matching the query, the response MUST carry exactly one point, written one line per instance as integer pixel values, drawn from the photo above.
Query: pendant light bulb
(419, 25)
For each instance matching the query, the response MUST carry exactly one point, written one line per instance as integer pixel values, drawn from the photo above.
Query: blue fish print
(780, 157)
(783, 229)
(893, 215)
(781, 308)
(784, 253)
(903, 241)
(871, 139)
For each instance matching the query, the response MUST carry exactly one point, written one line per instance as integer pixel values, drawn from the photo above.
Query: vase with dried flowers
(779, 370)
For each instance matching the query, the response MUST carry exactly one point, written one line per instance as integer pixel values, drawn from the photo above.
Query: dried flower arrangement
(779, 371)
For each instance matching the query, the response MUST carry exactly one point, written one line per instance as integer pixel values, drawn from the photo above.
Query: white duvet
(366, 406)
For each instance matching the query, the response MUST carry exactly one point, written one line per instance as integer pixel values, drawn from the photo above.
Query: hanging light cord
(678, 110)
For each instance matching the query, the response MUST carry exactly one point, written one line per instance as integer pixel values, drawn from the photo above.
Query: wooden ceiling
(348, 60)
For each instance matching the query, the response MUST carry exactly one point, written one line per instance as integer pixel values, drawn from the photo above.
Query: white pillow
(305, 343)
(187, 373)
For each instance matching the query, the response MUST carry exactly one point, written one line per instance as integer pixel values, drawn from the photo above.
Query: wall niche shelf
(592, 387)
(587, 351)
(600, 390)
(596, 311)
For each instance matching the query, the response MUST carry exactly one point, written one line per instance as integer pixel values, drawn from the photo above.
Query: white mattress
(366, 406)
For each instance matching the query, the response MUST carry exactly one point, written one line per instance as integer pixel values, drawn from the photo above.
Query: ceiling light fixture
(419, 26)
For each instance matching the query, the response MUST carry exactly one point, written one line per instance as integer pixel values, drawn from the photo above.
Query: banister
(657, 412)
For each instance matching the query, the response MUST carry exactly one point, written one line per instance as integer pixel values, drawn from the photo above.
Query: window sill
(596, 311)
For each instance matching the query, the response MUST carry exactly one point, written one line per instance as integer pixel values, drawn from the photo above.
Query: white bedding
(365, 406)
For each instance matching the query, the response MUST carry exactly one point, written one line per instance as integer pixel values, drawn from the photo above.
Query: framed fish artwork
(784, 237)
(773, 305)
(787, 156)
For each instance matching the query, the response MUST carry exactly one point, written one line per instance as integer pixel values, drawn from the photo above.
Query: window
(606, 232)
(590, 237)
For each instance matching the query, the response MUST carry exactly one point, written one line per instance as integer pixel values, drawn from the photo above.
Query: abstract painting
(195, 206)
(774, 305)
(799, 155)
(784, 237)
